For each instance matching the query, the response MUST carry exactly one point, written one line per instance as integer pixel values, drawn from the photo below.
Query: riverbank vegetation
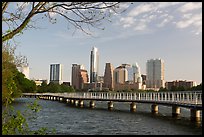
(54, 88)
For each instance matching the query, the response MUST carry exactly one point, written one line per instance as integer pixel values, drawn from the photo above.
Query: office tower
(56, 73)
(24, 70)
(144, 77)
(136, 73)
(94, 65)
(83, 78)
(79, 76)
(120, 74)
(180, 83)
(108, 76)
(155, 73)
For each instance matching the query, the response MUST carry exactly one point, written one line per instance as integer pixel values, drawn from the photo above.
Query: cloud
(127, 21)
(191, 20)
(147, 16)
(165, 21)
(143, 8)
(190, 6)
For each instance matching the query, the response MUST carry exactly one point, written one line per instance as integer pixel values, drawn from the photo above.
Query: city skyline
(171, 31)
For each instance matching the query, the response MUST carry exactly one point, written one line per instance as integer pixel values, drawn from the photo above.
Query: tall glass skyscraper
(136, 73)
(155, 73)
(56, 73)
(94, 66)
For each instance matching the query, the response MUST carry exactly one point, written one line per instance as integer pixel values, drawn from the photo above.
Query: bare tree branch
(76, 13)
(4, 6)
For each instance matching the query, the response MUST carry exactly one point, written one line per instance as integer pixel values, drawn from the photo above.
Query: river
(69, 119)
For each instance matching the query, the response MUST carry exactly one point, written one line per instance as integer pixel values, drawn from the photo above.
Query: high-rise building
(134, 74)
(155, 73)
(144, 77)
(56, 73)
(83, 78)
(24, 70)
(94, 65)
(79, 76)
(120, 74)
(137, 78)
(180, 83)
(108, 76)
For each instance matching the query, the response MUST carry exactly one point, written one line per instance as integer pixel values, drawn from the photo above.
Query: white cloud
(146, 16)
(124, 6)
(143, 8)
(187, 21)
(190, 6)
(140, 26)
(165, 21)
(166, 4)
(190, 20)
(127, 21)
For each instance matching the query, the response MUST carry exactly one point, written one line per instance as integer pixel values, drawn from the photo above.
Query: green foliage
(54, 88)
(15, 122)
(198, 87)
(163, 89)
(24, 84)
(13, 84)
(181, 88)
(9, 87)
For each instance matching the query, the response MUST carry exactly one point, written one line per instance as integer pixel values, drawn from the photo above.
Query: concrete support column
(60, 99)
(195, 115)
(155, 108)
(64, 100)
(133, 107)
(67, 100)
(72, 101)
(76, 102)
(81, 103)
(176, 111)
(92, 104)
(110, 105)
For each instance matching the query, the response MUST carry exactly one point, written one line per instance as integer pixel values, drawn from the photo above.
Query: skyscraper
(155, 73)
(79, 76)
(56, 73)
(136, 73)
(108, 76)
(24, 70)
(94, 65)
(120, 74)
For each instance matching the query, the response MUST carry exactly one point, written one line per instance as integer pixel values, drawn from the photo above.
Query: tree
(162, 89)
(78, 14)
(198, 87)
(9, 88)
(24, 84)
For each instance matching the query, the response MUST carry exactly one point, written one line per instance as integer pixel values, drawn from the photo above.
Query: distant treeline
(54, 88)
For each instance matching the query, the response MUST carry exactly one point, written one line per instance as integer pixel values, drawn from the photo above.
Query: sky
(171, 31)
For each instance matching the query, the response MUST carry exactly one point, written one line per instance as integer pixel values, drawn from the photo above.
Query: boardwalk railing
(188, 99)
(183, 97)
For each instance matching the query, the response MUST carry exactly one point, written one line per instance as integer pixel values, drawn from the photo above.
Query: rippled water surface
(69, 119)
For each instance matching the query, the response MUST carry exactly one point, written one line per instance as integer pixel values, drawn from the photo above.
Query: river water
(69, 119)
